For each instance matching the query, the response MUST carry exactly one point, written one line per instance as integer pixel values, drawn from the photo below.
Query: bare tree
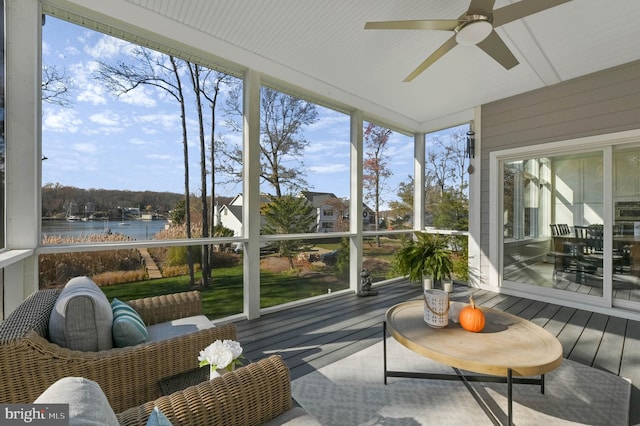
(282, 121)
(446, 162)
(403, 207)
(195, 74)
(375, 169)
(162, 72)
(56, 85)
(446, 181)
(212, 81)
(340, 209)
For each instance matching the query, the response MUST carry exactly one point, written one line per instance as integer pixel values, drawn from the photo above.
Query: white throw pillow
(88, 406)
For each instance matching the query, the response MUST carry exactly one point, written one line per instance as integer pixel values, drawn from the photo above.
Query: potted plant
(426, 257)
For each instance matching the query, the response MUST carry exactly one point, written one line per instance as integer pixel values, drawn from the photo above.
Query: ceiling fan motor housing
(473, 30)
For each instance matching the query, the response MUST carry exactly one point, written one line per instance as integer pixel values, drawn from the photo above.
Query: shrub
(176, 271)
(57, 269)
(224, 260)
(110, 278)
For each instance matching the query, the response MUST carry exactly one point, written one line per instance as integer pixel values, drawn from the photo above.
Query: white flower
(221, 354)
(234, 347)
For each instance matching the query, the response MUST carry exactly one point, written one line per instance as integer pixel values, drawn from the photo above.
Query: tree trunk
(194, 71)
(185, 144)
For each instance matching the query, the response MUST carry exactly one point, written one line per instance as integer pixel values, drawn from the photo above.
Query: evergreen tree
(288, 215)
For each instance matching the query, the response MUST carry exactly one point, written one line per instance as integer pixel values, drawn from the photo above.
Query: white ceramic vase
(213, 373)
(427, 283)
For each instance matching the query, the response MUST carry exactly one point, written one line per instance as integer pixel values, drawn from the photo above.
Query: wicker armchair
(256, 394)
(29, 363)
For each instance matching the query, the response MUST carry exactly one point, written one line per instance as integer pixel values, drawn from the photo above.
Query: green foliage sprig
(425, 255)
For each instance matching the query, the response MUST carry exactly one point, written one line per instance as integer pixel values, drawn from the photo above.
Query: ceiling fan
(475, 27)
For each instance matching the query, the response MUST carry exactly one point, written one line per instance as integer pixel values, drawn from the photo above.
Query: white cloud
(330, 120)
(85, 148)
(89, 90)
(137, 141)
(138, 97)
(106, 118)
(329, 147)
(93, 94)
(107, 47)
(62, 120)
(70, 51)
(167, 121)
(329, 168)
(150, 131)
(160, 157)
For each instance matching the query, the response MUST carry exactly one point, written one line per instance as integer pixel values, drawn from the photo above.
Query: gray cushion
(178, 327)
(82, 317)
(128, 328)
(88, 406)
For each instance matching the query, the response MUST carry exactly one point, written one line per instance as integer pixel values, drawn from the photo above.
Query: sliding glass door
(548, 202)
(626, 225)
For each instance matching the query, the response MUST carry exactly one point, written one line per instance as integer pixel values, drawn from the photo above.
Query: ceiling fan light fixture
(473, 32)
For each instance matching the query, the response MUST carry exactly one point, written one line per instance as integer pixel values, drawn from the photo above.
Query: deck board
(572, 331)
(311, 336)
(610, 352)
(589, 340)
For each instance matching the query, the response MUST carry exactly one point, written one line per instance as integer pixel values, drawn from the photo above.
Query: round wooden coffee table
(508, 346)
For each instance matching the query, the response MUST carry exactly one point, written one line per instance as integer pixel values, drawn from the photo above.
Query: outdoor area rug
(352, 392)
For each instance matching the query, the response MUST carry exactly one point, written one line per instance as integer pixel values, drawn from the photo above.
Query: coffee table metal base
(466, 378)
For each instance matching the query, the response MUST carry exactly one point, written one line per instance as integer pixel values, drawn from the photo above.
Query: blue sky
(134, 142)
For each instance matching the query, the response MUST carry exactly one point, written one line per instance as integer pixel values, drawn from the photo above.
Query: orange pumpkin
(471, 318)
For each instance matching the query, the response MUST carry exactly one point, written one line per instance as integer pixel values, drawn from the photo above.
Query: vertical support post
(23, 117)
(384, 349)
(355, 207)
(419, 181)
(251, 193)
(510, 395)
(475, 254)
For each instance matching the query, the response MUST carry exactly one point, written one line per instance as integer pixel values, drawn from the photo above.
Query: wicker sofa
(129, 376)
(257, 394)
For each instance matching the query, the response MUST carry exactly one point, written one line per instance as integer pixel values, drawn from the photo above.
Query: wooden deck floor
(312, 336)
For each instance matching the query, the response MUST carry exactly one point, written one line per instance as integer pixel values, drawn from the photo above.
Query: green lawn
(224, 296)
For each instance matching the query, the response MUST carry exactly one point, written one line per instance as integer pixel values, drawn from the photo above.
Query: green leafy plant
(425, 255)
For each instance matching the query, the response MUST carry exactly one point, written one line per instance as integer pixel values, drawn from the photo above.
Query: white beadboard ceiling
(321, 48)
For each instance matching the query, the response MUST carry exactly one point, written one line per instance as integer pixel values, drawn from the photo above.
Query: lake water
(138, 229)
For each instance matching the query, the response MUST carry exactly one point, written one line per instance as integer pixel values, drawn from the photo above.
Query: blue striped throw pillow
(128, 328)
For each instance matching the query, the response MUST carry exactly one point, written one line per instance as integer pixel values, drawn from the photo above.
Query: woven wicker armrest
(250, 395)
(157, 309)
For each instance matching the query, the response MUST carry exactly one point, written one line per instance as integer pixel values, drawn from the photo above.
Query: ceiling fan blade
(481, 7)
(522, 9)
(495, 47)
(435, 24)
(447, 46)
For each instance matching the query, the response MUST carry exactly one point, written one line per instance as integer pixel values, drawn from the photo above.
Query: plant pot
(436, 308)
(447, 286)
(213, 373)
(427, 283)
